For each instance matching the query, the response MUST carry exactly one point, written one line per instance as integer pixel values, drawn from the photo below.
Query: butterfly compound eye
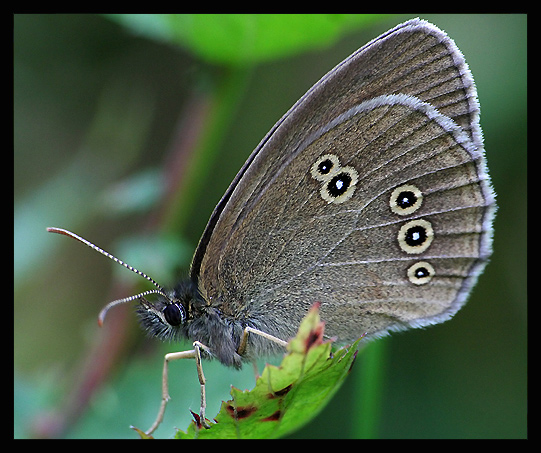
(174, 314)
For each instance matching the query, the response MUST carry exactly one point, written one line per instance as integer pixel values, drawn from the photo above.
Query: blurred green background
(108, 119)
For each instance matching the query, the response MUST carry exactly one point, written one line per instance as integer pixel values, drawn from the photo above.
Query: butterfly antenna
(103, 312)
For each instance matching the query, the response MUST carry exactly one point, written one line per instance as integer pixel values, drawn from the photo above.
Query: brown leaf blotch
(240, 412)
(279, 393)
(274, 417)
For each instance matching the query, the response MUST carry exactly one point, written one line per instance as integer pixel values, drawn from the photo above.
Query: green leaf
(285, 397)
(234, 39)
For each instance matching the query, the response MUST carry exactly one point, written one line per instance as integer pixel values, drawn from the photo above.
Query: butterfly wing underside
(318, 213)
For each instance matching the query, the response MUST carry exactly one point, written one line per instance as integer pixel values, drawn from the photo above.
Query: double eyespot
(337, 182)
(414, 236)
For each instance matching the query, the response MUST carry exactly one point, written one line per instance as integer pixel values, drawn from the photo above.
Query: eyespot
(405, 199)
(421, 273)
(415, 236)
(340, 187)
(325, 167)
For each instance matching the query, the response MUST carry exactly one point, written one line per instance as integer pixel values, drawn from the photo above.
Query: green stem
(367, 408)
(222, 103)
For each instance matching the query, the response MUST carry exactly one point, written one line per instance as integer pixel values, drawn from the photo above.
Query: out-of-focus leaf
(234, 39)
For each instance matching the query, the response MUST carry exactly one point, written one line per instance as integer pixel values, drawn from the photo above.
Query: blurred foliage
(239, 39)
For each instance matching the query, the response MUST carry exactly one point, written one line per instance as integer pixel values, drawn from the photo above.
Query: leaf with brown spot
(285, 397)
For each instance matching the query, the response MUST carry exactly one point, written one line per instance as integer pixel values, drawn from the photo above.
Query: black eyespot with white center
(421, 273)
(415, 236)
(340, 187)
(325, 167)
(405, 199)
(339, 184)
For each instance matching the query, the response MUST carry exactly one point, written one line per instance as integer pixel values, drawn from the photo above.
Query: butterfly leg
(191, 354)
(198, 346)
(244, 340)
